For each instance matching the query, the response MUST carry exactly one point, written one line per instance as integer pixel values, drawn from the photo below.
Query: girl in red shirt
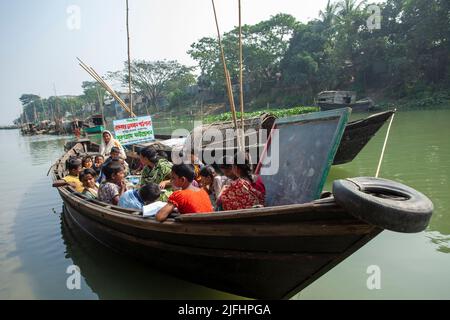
(189, 199)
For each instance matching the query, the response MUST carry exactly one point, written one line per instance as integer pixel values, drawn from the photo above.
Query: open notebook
(152, 209)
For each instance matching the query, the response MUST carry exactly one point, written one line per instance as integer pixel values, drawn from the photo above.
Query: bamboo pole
(35, 114)
(102, 108)
(100, 101)
(129, 61)
(225, 69)
(241, 70)
(227, 78)
(100, 80)
(43, 108)
(58, 118)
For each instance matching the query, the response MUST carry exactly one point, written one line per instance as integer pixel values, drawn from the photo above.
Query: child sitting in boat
(189, 199)
(198, 165)
(72, 179)
(112, 189)
(87, 177)
(116, 155)
(246, 191)
(137, 199)
(99, 160)
(87, 162)
(212, 183)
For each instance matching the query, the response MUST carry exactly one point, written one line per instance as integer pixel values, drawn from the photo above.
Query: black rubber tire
(384, 203)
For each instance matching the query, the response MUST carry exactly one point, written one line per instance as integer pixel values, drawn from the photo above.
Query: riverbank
(419, 101)
(12, 127)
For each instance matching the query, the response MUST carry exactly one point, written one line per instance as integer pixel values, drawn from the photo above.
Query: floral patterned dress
(161, 172)
(240, 195)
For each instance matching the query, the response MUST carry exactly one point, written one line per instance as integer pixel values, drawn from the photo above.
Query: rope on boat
(384, 146)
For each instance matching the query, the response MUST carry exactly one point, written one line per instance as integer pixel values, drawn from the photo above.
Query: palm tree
(348, 9)
(329, 14)
(347, 17)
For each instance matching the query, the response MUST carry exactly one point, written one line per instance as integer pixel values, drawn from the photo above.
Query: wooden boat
(95, 124)
(267, 253)
(357, 134)
(28, 129)
(330, 100)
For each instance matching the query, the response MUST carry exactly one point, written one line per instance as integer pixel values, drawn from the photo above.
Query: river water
(36, 248)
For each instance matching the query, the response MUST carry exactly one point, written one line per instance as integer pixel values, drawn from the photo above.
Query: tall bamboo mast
(241, 73)
(46, 115)
(226, 73)
(35, 114)
(129, 61)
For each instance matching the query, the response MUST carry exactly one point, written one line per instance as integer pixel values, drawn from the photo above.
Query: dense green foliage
(279, 113)
(288, 62)
(158, 81)
(37, 109)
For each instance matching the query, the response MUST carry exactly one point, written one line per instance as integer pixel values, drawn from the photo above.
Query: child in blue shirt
(137, 199)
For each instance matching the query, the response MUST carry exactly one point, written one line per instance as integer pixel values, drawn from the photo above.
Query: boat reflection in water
(112, 275)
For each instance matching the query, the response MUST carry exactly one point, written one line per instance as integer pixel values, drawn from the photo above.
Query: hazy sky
(40, 39)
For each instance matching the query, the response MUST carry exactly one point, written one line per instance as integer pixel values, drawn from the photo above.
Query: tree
(94, 94)
(328, 15)
(264, 45)
(157, 78)
(31, 106)
(26, 99)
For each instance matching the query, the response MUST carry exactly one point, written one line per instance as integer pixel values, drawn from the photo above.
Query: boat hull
(362, 106)
(357, 135)
(247, 255)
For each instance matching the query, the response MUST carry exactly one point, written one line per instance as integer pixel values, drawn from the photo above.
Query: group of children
(183, 188)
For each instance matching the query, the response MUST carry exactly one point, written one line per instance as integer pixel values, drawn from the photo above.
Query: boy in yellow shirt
(72, 179)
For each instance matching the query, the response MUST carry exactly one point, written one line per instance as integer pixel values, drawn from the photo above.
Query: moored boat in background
(329, 100)
(95, 124)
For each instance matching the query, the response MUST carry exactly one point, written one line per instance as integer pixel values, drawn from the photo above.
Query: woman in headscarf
(157, 170)
(108, 142)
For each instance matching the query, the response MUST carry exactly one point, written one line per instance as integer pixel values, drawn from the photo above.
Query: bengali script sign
(134, 130)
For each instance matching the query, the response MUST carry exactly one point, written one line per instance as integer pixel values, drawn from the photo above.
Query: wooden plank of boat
(359, 106)
(357, 134)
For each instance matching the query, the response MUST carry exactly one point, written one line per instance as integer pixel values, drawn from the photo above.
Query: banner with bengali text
(134, 130)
